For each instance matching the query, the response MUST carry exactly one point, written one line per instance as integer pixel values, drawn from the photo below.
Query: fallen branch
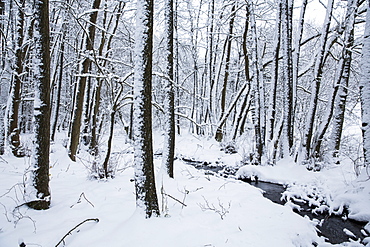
(74, 228)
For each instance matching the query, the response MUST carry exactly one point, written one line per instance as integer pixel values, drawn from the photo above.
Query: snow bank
(334, 189)
(197, 209)
(218, 211)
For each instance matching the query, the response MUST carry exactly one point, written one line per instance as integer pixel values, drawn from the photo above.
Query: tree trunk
(177, 66)
(220, 130)
(59, 90)
(2, 66)
(194, 127)
(15, 92)
(275, 77)
(211, 61)
(339, 95)
(146, 196)
(106, 170)
(257, 85)
(2, 38)
(318, 71)
(87, 113)
(40, 195)
(286, 40)
(94, 136)
(227, 113)
(296, 54)
(79, 99)
(242, 111)
(2, 128)
(169, 101)
(239, 126)
(365, 89)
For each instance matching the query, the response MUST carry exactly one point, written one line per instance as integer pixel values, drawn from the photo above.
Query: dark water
(332, 225)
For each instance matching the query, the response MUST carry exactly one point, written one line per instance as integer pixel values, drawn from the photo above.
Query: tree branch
(74, 228)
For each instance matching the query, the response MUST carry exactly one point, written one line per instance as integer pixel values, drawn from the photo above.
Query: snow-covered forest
(168, 122)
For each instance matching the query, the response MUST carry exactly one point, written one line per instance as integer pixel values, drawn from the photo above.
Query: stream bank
(335, 228)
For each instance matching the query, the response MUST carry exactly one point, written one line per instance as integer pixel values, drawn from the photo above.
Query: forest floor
(198, 209)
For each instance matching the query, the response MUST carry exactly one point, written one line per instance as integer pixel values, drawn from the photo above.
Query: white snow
(218, 212)
(349, 233)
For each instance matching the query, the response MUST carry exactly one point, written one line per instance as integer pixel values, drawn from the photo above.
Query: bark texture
(15, 92)
(41, 146)
(365, 89)
(318, 71)
(146, 196)
(169, 101)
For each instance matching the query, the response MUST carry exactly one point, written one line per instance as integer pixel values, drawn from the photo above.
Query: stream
(332, 227)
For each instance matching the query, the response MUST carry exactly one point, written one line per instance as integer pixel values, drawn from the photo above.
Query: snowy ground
(197, 209)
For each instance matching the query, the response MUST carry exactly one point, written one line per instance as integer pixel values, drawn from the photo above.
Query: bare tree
(286, 41)
(337, 101)
(365, 88)
(245, 106)
(80, 93)
(340, 97)
(169, 102)
(146, 195)
(14, 99)
(220, 129)
(59, 83)
(257, 89)
(38, 191)
(318, 71)
(275, 76)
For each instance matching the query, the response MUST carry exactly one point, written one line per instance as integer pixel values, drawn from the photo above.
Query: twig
(6, 212)
(70, 231)
(11, 188)
(222, 210)
(79, 200)
(224, 185)
(173, 198)
(1, 158)
(186, 192)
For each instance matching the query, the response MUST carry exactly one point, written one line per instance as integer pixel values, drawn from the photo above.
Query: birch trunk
(365, 89)
(297, 49)
(256, 89)
(337, 103)
(271, 118)
(286, 40)
(342, 91)
(318, 71)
